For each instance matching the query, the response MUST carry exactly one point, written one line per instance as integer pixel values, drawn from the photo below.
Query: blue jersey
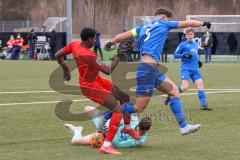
(152, 36)
(188, 47)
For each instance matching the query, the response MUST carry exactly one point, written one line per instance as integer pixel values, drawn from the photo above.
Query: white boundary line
(84, 100)
(47, 102)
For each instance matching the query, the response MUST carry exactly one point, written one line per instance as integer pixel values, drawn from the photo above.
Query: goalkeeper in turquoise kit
(120, 140)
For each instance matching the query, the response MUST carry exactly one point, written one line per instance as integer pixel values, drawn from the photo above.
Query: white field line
(217, 89)
(46, 102)
(84, 100)
(50, 91)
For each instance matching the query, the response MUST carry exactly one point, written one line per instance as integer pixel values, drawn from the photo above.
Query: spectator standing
(207, 42)
(52, 38)
(32, 38)
(97, 45)
(136, 49)
(18, 43)
(165, 51)
(10, 44)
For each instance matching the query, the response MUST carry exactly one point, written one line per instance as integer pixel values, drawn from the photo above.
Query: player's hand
(108, 46)
(187, 56)
(207, 24)
(66, 74)
(200, 64)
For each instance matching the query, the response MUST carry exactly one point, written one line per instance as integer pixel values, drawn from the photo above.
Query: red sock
(127, 119)
(113, 126)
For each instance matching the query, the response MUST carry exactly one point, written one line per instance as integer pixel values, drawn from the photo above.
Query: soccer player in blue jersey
(152, 37)
(187, 51)
(120, 140)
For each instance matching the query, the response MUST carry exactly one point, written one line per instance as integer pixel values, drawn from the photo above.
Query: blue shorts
(193, 74)
(148, 78)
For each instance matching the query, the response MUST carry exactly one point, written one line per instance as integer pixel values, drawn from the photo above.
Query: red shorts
(97, 91)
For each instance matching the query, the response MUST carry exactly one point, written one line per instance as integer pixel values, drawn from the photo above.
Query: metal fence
(15, 26)
(220, 23)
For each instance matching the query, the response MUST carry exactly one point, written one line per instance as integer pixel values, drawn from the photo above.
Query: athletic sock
(107, 144)
(176, 107)
(127, 108)
(113, 127)
(202, 98)
(77, 135)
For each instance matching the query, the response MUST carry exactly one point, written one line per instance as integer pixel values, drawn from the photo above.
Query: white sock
(107, 144)
(77, 134)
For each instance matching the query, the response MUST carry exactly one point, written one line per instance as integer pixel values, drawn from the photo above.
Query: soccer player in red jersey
(96, 88)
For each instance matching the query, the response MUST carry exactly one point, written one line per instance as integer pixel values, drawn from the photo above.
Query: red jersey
(86, 61)
(92, 85)
(10, 43)
(19, 42)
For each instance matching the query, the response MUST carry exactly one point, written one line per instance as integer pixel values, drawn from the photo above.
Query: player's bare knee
(184, 88)
(117, 108)
(174, 93)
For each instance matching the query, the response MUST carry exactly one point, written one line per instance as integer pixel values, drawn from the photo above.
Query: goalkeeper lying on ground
(120, 140)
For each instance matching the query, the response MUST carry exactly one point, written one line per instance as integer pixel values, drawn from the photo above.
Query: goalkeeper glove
(187, 56)
(207, 24)
(200, 64)
(108, 46)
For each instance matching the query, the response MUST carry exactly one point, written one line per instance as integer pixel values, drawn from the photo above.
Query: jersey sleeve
(129, 142)
(173, 24)
(67, 49)
(179, 51)
(136, 30)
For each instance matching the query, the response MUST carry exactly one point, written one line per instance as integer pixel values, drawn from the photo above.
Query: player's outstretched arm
(193, 23)
(60, 59)
(119, 38)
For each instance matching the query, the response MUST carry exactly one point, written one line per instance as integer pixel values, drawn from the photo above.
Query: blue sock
(107, 115)
(176, 107)
(127, 108)
(179, 89)
(202, 98)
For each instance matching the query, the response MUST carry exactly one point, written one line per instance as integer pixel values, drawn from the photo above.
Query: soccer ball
(96, 140)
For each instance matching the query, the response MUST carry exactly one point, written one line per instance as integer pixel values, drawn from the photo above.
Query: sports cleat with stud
(189, 129)
(131, 133)
(206, 108)
(108, 150)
